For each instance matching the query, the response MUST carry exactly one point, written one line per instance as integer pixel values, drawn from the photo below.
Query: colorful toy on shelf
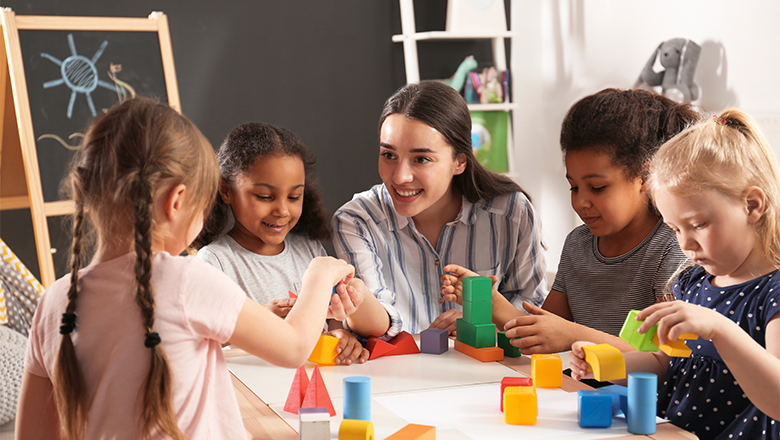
(547, 370)
(414, 432)
(324, 352)
(513, 382)
(594, 409)
(520, 406)
(509, 349)
(357, 398)
(402, 343)
(476, 333)
(297, 391)
(642, 403)
(434, 341)
(457, 80)
(356, 430)
(313, 424)
(629, 333)
(317, 394)
(606, 362)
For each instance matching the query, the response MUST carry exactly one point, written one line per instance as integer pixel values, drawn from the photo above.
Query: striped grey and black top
(601, 290)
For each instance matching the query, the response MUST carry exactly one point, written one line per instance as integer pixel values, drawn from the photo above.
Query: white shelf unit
(409, 37)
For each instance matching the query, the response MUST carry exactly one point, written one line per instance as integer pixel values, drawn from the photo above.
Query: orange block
(547, 370)
(675, 348)
(324, 352)
(487, 354)
(297, 391)
(317, 395)
(414, 432)
(520, 406)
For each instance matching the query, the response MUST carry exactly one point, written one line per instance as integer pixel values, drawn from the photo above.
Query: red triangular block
(297, 391)
(292, 295)
(378, 347)
(404, 344)
(316, 394)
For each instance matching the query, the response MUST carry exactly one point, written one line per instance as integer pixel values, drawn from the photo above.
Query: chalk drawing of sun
(79, 74)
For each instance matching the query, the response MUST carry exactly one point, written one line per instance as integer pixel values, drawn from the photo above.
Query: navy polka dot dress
(699, 393)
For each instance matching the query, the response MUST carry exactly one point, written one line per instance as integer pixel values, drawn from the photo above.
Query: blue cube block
(594, 409)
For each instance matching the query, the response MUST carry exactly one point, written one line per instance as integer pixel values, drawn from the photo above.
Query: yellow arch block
(606, 361)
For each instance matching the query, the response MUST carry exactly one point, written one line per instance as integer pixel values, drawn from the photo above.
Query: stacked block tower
(476, 333)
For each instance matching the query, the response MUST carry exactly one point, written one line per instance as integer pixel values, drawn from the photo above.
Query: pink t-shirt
(196, 311)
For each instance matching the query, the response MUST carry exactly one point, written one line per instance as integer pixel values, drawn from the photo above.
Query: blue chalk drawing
(79, 74)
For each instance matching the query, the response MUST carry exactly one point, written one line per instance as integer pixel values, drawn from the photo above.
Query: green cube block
(477, 289)
(478, 312)
(509, 349)
(476, 335)
(642, 342)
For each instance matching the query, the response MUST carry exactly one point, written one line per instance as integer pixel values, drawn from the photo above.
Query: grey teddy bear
(679, 57)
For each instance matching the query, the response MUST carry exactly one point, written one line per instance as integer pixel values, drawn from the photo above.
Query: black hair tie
(152, 339)
(68, 323)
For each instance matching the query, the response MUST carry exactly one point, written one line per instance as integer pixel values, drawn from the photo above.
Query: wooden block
(414, 432)
(513, 382)
(509, 349)
(487, 354)
(594, 409)
(317, 394)
(476, 335)
(434, 341)
(324, 352)
(547, 370)
(404, 344)
(676, 348)
(314, 424)
(297, 392)
(477, 289)
(356, 430)
(478, 312)
(520, 406)
(642, 342)
(606, 362)
(377, 348)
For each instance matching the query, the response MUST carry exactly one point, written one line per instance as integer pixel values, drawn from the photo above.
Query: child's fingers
(364, 355)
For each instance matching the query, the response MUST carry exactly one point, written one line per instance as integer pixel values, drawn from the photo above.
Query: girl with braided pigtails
(137, 351)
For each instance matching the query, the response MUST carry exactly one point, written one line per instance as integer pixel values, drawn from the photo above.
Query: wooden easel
(20, 177)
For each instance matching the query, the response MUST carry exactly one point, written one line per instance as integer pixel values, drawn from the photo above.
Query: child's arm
(370, 318)
(754, 367)
(544, 332)
(655, 363)
(288, 342)
(36, 415)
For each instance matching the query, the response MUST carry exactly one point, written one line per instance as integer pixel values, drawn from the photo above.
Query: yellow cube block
(606, 362)
(520, 405)
(547, 370)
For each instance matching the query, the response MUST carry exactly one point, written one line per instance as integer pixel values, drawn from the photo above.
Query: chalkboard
(63, 72)
(74, 75)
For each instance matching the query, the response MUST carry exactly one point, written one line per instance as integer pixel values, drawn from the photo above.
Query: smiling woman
(439, 211)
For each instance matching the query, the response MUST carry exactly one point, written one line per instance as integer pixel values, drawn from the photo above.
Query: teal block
(509, 349)
(478, 312)
(476, 335)
(642, 342)
(477, 289)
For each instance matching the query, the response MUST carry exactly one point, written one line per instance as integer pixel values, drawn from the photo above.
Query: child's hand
(329, 268)
(677, 317)
(280, 307)
(349, 348)
(452, 285)
(346, 300)
(579, 368)
(539, 332)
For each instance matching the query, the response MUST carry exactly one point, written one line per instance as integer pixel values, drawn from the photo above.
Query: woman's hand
(447, 321)
(348, 348)
(579, 368)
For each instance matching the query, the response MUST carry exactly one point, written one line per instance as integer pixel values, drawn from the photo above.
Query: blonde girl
(130, 346)
(716, 185)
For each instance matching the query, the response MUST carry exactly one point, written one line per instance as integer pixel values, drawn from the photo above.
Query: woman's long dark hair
(441, 107)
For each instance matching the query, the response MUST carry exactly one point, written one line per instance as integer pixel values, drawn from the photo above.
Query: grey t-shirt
(264, 277)
(601, 290)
